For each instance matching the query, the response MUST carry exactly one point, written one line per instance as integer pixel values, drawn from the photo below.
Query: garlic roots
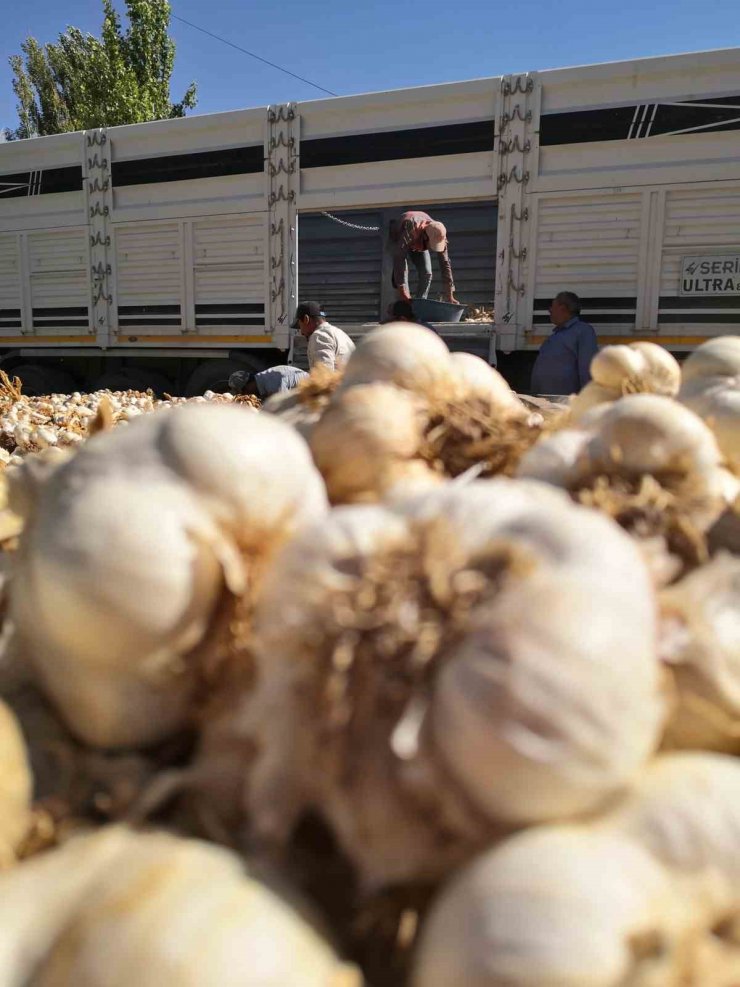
(433, 672)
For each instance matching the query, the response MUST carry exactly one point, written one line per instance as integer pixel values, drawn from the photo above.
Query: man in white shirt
(328, 346)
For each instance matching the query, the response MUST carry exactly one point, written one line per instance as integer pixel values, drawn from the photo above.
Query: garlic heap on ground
(118, 908)
(711, 387)
(16, 786)
(409, 411)
(700, 642)
(650, 463)
(647, 896)
(135, 551)
(637, 368)
(30, 424)
(432, 672)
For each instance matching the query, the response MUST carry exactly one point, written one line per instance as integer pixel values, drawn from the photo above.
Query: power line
(252, 55)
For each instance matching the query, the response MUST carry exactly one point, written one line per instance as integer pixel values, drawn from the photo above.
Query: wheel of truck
(133, 379)
(38, 380)
(213, 375)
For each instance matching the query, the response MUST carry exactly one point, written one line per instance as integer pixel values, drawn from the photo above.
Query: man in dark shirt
(564, 360)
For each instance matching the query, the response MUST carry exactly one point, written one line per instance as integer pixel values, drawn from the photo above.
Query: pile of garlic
(31, 424)
(475, 725)
(407, 411)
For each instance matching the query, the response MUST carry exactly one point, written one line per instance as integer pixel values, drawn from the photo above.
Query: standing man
(414, 236)
(564, 360)
(327, 346)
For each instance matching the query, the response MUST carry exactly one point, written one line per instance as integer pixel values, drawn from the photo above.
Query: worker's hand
(404, 294)
(452, 300)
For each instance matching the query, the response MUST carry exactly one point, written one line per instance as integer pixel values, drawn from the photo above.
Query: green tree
(80, 81)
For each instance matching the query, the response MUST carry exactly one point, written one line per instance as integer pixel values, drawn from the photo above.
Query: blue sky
(350, 47)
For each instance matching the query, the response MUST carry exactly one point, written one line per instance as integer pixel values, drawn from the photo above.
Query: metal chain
(351, 226)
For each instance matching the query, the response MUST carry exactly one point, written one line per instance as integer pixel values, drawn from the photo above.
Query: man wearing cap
(328, 346)
(414, 236)
(265, 383)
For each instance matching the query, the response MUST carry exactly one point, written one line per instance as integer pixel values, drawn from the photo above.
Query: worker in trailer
(328, 346)
(415, 236)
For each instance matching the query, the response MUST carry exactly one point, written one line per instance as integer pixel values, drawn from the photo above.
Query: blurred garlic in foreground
(433, 672)
(711, 388)
(117, 908)
(701, 644)
(129, 549)
(646, 896)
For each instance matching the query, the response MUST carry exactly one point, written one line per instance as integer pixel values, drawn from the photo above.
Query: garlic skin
(130, 545)
(711, 388)
(117, 908)
(16, 786)
(646, 896)
(409, 356)
(620, 370)
(391, 654)
(701, 644)
(366, 441)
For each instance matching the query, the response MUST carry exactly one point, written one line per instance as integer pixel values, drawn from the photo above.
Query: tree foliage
(81, 82)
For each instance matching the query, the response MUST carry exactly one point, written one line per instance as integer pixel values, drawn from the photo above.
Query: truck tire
(38, 379)
(213, 375)
(133, 379)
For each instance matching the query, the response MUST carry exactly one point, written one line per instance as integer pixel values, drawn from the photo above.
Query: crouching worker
(264, 384)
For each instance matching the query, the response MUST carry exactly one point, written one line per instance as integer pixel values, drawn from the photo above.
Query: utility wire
(252, 55)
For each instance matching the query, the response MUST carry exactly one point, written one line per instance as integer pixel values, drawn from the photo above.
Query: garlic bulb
(480, 380)
(701, 643)
(711, 388)
(416, 692)
(649, 462)
(403, 354)
(647, 896)
(131, 546)
(117, 908)
(16, 786)
(367, 440)
(631, 369)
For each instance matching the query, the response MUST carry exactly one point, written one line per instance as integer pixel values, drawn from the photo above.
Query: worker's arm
(588, 347)
(322, 349)
(400, 259)
(445, 270)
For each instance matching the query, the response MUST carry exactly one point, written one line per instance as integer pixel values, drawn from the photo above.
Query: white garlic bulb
(415, 690)
(711, 388)
(117, 908)
(403, 354)
(16, 786)
(647, 896)
(366, 440)
(130, 545)
(480, 380)
(619, 370)
(701, 643)
(651, 463)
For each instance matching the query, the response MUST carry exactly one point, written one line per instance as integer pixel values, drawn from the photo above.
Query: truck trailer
(168, 254)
